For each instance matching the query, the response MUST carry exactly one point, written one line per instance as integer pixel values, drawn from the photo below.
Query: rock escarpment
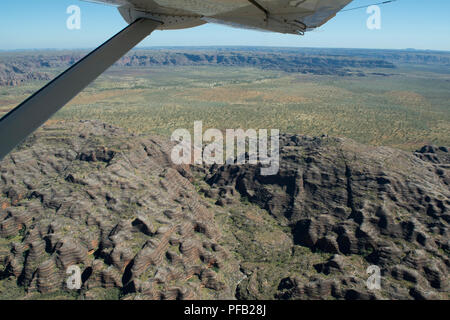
(93, 196)
(18, 69)
(112, 203)
(357, 206)
(16, 74)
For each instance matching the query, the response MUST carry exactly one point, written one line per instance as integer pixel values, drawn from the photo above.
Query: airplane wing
(144, 16)
(283, 16)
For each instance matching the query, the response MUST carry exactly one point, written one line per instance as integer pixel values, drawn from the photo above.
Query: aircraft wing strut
(16, 125)
(144, 16)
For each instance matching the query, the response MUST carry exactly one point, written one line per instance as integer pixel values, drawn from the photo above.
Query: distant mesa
(21, 68)
(18, 68)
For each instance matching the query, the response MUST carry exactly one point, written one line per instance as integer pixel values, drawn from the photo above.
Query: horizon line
(226, 46)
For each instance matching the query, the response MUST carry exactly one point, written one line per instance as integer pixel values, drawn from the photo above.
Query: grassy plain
(407, 109)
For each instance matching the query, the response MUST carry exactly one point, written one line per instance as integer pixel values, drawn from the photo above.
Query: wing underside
(284, 16)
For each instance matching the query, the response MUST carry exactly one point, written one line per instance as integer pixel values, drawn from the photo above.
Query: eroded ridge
(112, 204)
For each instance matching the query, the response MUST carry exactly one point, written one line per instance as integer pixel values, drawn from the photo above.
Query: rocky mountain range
(17, 74)
(112, 203)
(19, 67)
(15, 70)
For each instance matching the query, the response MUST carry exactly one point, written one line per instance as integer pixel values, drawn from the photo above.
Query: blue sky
(419, 24)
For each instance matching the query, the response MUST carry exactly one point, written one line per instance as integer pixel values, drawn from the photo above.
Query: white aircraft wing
(284, 16)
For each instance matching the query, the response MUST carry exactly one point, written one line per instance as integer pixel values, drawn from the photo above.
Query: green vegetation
(9, 290)
(405, 108)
